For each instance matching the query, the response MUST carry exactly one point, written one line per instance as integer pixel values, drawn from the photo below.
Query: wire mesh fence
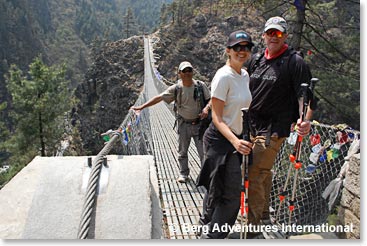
(322, 157)
(136, 135)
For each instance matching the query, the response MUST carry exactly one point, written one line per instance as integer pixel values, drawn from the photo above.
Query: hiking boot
(182, 179)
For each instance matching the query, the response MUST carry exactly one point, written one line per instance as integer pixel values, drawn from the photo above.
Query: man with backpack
(275, 84)
(192, 105)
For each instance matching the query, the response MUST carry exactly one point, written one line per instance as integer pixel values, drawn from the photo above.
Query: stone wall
(349, 210)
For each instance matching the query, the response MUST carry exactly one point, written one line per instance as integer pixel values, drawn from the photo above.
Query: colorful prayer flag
(315, 139)
(106, 138)
(125, 139)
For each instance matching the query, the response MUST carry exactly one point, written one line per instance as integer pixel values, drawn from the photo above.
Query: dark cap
(238, 37)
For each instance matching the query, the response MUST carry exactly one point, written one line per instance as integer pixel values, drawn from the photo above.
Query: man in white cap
(275, 84)
(192, 98)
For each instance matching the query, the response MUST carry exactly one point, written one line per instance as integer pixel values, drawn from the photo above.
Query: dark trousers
(222, 201)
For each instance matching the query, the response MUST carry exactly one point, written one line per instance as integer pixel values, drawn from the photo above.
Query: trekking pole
(246, 161)
(282, 193)
(292, 158)
(307, 94)
(295, 156)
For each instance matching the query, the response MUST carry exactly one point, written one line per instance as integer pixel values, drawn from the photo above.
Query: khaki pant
(260, 176)
(187, 131)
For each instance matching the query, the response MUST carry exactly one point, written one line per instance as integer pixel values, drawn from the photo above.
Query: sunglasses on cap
(187, 70)
(276, 33)
(240, 47)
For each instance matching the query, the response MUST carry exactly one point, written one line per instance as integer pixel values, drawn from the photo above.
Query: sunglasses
(240, 47)
(187, 70)
(272, 33)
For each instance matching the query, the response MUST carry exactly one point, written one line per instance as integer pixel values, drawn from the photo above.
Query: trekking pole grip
(313, 83)
(246, 124)
(308, 96)
(246, 129)
(304, 88)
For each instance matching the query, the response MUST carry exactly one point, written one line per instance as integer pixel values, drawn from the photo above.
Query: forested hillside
(66, 33)
(65, 30)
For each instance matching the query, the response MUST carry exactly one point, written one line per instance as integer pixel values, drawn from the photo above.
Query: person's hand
(303, 127)
(204, 113)
(136, 109)
(243, 147)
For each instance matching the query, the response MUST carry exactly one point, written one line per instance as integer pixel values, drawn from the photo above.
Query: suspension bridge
(135, 195)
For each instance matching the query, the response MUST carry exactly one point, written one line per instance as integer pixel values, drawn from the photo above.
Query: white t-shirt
(233, 89)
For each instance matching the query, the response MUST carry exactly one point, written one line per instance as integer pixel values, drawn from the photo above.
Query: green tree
(164, 15)
(172, 10)
(4, 134)
(332, 33)
(130, 23)
(40, 100)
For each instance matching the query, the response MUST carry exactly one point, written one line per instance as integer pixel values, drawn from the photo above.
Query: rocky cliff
(350, 205)
(111, 86)
(201, 41)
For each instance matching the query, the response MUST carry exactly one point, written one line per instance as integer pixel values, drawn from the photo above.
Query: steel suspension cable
(91, 195)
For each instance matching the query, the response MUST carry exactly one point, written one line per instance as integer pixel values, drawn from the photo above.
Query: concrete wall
(45, 200)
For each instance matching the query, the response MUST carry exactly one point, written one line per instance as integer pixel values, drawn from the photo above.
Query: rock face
(349, 211)
(111, 86)
(202, 41)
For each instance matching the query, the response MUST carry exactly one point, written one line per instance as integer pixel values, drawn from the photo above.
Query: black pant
(222, 201)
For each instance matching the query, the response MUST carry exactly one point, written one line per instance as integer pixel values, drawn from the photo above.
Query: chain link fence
(323, 154)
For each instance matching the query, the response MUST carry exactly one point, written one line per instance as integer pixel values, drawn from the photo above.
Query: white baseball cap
(184, 65)
(276, 22)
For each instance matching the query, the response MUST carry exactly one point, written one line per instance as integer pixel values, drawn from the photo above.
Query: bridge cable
(93, 185)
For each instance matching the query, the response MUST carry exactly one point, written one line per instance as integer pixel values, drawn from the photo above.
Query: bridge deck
(181, 203)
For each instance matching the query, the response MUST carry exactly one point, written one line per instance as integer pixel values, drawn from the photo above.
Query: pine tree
(40, 100)
(163, 16)
(4, 134)
(130, 25)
